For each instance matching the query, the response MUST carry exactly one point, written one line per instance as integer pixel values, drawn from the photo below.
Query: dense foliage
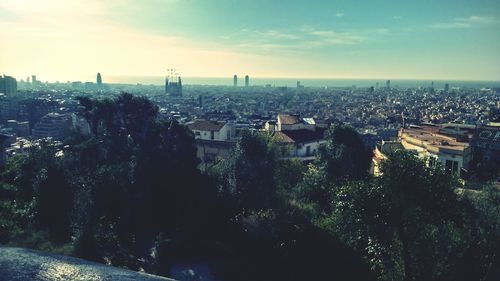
(130, 194)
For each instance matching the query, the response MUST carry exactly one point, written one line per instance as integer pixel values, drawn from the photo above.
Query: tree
(423, 208)
(408, 223)
(482, 258)
(140, 175)
(344, 155)
(54, 203)
(314, 192)
(248, 177)
(360, 215)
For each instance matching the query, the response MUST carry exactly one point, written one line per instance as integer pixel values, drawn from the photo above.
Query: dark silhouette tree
(344, 156)
(248, 177)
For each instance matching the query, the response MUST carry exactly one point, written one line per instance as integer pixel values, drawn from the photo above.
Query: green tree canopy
(344, 155)
(408, 223)
(248, 177)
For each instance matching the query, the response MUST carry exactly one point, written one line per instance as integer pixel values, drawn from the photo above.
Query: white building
(214, 141)
(212, 130)
(303, 136)
(303, 143)
(294, 122)
(451, 153)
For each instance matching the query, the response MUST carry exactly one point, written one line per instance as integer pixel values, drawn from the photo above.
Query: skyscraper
(446, 88)
(8, 85)
(235, 80)
(33, 79)
(99, 80)
(201, 101)
(247, 81)
(388, 84)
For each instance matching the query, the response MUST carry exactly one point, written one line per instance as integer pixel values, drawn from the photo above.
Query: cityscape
(258, 147)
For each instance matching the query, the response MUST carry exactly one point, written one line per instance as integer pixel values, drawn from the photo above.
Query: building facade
(486, 149)
(453, 154)
(8, 85)
(214, 141)
(52, 125)
(302, 136)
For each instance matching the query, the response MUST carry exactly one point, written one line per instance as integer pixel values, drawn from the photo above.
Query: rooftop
(299, 136)
(205, 125)
(427, 137)
(287, 119)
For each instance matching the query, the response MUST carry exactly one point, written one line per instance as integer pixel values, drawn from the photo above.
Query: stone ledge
(18, 264)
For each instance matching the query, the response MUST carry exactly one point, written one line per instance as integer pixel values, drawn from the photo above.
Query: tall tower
(388, 84)
(247, 81)
(446, 88)
(8, 85)
(235, 80)
(179, 86)
(99, 80)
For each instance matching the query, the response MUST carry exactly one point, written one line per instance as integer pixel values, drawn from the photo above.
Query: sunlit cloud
(290, 42)
(330, 37)
(271, 34)
(464, 22)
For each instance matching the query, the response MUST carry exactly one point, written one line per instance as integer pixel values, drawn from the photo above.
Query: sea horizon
(292, 81)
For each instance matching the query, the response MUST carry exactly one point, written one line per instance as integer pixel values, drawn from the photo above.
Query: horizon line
(230, 77)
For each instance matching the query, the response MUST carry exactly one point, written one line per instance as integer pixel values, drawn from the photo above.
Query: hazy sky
(424, 39)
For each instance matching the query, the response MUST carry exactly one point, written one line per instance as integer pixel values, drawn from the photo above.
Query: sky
(373, 39)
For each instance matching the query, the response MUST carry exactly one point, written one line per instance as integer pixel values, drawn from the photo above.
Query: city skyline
(57, 40)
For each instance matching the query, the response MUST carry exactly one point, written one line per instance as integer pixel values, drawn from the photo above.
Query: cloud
(279, 35)
(292, 42)
(397, 17)
(330, 37)
(450, 25)
(477, 19)
(339, 15)
(464, 22)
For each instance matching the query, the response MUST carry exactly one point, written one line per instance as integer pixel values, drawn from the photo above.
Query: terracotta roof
(282, 138)
(287, 119)
(302, 136)
(204, 125)
(299, 136)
